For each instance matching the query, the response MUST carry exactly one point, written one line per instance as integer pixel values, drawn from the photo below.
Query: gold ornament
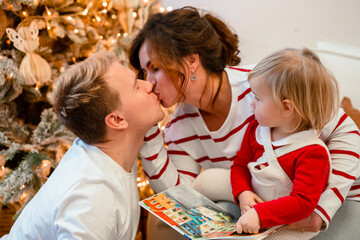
(33, 68)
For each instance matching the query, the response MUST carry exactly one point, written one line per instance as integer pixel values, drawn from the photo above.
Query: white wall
(264, 26)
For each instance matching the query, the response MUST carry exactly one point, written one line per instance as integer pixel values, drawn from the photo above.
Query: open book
(195, 216)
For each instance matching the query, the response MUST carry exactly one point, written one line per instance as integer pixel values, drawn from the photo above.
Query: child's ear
(116, 120)
(288, 107)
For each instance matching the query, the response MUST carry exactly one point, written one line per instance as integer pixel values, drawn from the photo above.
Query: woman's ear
(192, 61)
(116, 121)
(288, 107)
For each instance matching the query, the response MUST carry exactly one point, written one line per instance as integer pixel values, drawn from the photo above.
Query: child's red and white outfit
(290, 177)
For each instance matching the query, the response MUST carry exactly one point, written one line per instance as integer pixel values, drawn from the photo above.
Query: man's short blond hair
(299, 75)
(82, 97)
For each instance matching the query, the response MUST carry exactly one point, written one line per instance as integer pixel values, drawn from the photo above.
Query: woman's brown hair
(174, 35)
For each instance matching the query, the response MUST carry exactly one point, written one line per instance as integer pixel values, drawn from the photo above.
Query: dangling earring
(193, 76)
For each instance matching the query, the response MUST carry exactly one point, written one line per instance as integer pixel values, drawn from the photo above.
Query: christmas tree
(39, 39)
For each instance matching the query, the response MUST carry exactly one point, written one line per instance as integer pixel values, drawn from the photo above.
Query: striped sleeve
(166, 167)
(343, 140)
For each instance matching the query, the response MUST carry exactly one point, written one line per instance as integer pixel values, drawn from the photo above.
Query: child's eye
(257, 99)
(156, 69)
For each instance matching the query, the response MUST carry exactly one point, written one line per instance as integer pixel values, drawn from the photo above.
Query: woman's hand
(312, 223)
(247, 199)
(249, 222)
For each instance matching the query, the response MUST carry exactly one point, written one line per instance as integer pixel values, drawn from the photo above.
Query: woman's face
(163, 86)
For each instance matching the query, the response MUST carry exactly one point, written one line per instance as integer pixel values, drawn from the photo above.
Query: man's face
(139, 105)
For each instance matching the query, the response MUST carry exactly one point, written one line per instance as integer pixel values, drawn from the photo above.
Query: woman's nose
(150, 78)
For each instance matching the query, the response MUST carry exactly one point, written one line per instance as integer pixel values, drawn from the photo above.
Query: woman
(185, 56)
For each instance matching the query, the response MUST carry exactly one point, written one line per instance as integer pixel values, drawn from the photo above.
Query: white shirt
(88, 196)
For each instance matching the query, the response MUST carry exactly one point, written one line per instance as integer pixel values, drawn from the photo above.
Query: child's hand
(247, 199)
(249, 222)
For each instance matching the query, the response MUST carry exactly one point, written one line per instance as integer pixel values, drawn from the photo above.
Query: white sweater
(190, 146)
(88, 196)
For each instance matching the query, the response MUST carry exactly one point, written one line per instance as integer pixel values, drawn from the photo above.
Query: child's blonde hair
(299, 76)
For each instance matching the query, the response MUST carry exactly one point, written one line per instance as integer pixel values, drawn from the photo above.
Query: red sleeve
(311, 173)
(239, 174)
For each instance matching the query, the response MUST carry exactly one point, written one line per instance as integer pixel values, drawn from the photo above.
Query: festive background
(39, 39)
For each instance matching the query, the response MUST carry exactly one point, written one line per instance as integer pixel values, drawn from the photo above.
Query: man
(92, 194)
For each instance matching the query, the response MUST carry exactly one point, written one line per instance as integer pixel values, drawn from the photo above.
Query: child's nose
(252, 105)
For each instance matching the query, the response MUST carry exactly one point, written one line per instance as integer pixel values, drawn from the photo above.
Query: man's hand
(249, 222)
(312, 223)
(247, 200)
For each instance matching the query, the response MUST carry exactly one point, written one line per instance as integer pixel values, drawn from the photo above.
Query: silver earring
(193, 76)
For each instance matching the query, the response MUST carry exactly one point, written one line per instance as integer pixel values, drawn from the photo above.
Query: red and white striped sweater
(191, 146)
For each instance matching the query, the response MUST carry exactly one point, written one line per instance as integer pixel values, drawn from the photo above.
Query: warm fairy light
(139, 184)
(104, 4)
(85, 12)
(138, 179)
(126, 34)
(22, 187)
(11, 75)
(93, 19)
(48, 12)
(169, 9)
(98, 18)
(113, 16)
(162, 128)
(162, 9)
(24, 13)
(113, 41)
(76, 30)
(134, 14)
(118, 35)
(8, 41)
(101, 37)
(104, 11)
(69, 18)
(146, 1)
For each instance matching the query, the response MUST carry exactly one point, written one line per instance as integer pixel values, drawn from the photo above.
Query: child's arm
(249, 222)
(247, 200)
(310, 177)
(239, 174)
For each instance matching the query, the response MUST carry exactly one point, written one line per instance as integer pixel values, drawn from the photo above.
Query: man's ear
(288, 107)
(116, 121)
(192, 61)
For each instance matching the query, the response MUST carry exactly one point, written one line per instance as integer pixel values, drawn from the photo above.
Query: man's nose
(148, 86)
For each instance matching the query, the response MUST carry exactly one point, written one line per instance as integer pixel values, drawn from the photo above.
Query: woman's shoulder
(238, 74)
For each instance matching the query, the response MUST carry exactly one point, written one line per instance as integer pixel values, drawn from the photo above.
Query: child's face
(267, 112)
